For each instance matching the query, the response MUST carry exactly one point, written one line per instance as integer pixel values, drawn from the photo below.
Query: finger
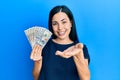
(73, 52)
(38, 49)
(33, 51)
(36, 52)
(61, 54)
(69, 49)
(34, 48)
(58, 53)
(37, 58)
(79, 45)
(64, 56)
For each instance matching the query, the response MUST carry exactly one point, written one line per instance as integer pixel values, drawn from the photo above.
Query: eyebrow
(63, 19)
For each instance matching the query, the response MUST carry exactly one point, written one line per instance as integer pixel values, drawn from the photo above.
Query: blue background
(98, 26)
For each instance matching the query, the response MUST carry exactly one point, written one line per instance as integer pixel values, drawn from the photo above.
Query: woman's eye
(54, 23)
(64, 22)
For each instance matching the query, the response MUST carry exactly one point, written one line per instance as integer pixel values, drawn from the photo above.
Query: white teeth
(61, 33)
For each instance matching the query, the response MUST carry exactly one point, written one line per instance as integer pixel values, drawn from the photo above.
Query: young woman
(63, 57)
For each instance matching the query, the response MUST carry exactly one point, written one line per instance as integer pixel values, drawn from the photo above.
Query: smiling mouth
(61, 33)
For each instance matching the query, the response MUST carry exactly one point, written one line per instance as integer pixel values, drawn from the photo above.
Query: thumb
(79, 45)
(58, 52)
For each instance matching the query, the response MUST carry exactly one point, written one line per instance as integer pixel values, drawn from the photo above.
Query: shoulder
(86, 52)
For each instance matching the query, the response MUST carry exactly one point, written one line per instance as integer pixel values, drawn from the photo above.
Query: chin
(62, 37)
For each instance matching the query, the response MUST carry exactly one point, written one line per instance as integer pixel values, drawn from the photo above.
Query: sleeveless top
(57, 68)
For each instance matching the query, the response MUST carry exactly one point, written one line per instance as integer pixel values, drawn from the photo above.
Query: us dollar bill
(38, 35)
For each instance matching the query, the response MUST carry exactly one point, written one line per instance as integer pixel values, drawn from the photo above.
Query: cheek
(68, 27)
(54, 29)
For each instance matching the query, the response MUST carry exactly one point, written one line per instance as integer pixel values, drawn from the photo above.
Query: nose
(60, 26)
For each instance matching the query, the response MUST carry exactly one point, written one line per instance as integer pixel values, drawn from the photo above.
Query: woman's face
(61, 26)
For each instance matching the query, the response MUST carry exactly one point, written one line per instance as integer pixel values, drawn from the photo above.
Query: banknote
(38, 35)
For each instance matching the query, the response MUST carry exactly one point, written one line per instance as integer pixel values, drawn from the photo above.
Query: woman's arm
(37, 58)
(81, 64)
(82, 67)
(37, 69)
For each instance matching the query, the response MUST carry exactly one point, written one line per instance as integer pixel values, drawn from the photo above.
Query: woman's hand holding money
(71, 51)
(36, 53)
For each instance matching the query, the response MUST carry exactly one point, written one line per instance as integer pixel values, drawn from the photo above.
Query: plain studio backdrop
(98, 26)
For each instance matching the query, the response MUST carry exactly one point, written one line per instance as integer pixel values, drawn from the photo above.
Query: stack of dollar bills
(38, 35)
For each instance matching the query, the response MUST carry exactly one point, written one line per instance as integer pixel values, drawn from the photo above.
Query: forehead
(60, 16)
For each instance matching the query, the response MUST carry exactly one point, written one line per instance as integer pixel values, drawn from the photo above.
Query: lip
(61, 33)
